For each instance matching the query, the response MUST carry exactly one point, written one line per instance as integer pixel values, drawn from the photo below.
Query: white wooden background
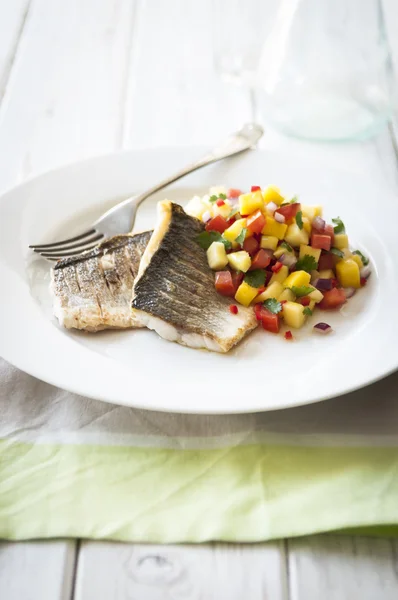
(84, 77)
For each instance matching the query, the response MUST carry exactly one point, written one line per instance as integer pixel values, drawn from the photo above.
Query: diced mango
(234, 230)
(287, 295)
(307, 224)
(196, 207)
(216, 256)
(347, 272)
(245, 293)
(269, 242)
(281, 250)
(326, 274)
(296, 236)
(274, 228)
(310, 251)
(273, 194)
(310, 212)
(240, 261)
(224, 210)
(293, 314)
(341, 241)
(274, 290)
(311, 305)
(357, 260)
(316, 296)
(297, 278)
(281, 275)
(249, 203)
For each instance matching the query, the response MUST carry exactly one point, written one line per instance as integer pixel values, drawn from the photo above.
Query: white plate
(137, 368)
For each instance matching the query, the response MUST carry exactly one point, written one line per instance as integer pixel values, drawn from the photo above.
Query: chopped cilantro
(222, 196)
(241, 237)
(216, 197)
(339, 225)
(206, 238)
(307, 311)
(287, 246)
(301, 290)
(213, 198)
(337, 252)
(273, 305)
(255, 278)
(306, 263)
(299, 219)
(294, 200)
(362, 257)
(233, 212)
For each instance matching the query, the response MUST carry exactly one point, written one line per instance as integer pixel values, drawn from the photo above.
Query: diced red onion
(271, 207)
(288, 259)
(206, 216)
(365, 271)
(319, 224)
(322, 328)
(323, 285)
(280, 218)
(349, 292)
(234, 202)
(314, 277)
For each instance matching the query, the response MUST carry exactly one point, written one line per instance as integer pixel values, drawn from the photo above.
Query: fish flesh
(174, 291)
(92, 291)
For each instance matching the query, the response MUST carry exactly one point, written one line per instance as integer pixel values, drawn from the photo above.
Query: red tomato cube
(255, 188)
(224, 283)
(261, 260)
(326, 261)
(334, 298)
(237, 278)
(255, 223)
(251, 245)
(217, 223)
(289, 211)
(234, 193)
(321, 241)
(269, 321)
(330, 232)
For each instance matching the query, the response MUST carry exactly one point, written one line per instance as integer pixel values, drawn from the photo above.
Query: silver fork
(120, 218)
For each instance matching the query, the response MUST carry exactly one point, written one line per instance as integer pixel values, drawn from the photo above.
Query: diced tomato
(220, 202)
(269, 321)
(330, 232)
(233, 309)
(334, 298)
(261, 260)
(234, 193)
(255, 188)
(224, 283)
(335, 283)
(255, 223)
(288, 335)
(237, 278)
(276, 267)
(326, 261)
(251, 245)
(231, 221)
(305, 301)
(321, 241)
(289, 211)
(363, 281)
(217, 223)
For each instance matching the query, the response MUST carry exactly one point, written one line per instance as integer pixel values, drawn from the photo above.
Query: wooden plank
(12, 20)
(211, 571)
(37, 570)
(174, 95)
(343, 568)
(65, 95)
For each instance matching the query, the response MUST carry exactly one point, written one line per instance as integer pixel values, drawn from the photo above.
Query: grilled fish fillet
(93, 290)
(174, 291)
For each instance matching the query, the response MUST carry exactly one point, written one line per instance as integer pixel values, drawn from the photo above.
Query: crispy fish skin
(93, 290)
(174, 291)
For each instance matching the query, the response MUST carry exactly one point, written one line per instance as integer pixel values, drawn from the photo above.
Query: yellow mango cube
(296, 236)
(312, 305)
(249, 203)
(234, 230)
(281, 250)
(281, 275)
(240, 261)
(310, 212)
(326, 274)
(341, 241)
(287, 295)
(347, 272)
(293, 314)
(216, 256)
(297, 278)
(269, 242)
(274, 290)
(224, 210)
(274, 228)
(307, 224)
(357, 260)
(310, 251)
(316, 296)
(245, 293)
(273, 194)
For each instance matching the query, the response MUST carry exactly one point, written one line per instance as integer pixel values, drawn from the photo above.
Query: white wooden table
(84, 77)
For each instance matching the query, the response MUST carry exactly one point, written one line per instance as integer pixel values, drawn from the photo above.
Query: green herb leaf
(294, 200)
(337, 252)
(206, 238)
(233, 212)
(213, 198)
(255, 278)
(222, 196)
(287, 246)
(241, 237)
(339, 225)
(301, 290)
(273, 305)
(307, 311)
(299, 219)
(362, 257)
(306, 263)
